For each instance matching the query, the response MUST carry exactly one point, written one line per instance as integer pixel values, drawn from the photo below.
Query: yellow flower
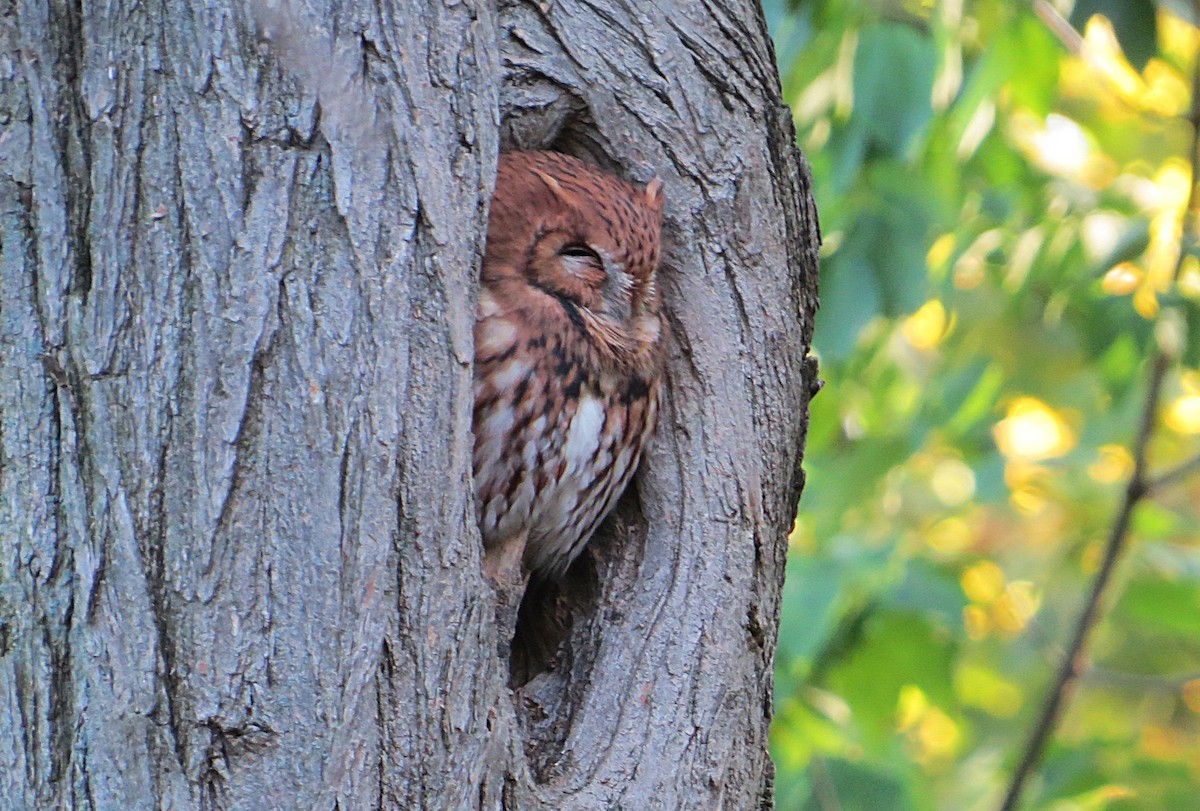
(1183, 414)
(1033, 430)
(1122, 279)
(928, 326)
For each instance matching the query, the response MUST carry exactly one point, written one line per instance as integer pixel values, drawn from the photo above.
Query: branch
(1138, 681)
(823, 787)
(1059, 25)
(1175, 475)
(1075, 657)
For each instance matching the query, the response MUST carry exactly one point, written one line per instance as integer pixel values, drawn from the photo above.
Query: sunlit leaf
(1134, 21)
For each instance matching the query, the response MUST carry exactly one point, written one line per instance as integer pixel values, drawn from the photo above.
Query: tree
(238, 560)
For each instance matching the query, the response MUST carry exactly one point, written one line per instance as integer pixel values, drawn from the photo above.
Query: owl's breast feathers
(558, 431)
(568, 348)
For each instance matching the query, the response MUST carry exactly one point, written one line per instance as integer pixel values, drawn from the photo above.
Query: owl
(568, 355)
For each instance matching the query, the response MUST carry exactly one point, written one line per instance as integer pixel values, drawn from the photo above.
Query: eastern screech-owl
(568, 350)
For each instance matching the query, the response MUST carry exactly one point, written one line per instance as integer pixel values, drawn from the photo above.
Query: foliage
(1001, 207)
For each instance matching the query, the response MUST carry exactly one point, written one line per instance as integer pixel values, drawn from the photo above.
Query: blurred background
(1001, 187)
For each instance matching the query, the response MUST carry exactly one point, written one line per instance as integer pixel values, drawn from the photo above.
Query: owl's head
(581, 235)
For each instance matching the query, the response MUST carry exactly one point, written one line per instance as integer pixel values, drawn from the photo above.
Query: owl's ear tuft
(553, 184)
(654, 193)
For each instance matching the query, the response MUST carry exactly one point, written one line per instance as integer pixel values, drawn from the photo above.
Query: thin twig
(1138, 681)
(1059, 25)
(1075, 657)
(1073, 660)
(1175, 475)
(823, 787)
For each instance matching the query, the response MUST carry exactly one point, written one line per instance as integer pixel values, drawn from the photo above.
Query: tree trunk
(239, 566)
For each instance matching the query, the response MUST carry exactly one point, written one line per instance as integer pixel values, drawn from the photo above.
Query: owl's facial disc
(581, 253)
(607, 286)
(616, 292)
(566, 265)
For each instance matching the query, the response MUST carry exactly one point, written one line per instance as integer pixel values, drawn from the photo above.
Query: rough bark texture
(238, 255)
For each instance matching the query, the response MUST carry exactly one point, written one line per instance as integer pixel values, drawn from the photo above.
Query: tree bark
(239, 246)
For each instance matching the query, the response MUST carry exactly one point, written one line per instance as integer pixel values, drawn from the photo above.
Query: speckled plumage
(568, 349)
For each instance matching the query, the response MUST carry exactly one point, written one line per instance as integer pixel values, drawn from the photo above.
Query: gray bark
(238, 255)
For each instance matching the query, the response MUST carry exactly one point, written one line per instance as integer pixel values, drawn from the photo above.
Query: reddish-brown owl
(568, 351)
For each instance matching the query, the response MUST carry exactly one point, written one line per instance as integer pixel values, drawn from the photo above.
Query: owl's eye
(580, 251)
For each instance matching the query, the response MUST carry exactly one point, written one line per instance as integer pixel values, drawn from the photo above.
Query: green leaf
(893, 81)
(1153, 521)
(933, 593)
(1069, 772)
(895, 649)
(845, 154)
(896, 229)
(810, 599)
(1030, 55)
(1119, 364)
(855, 787)
(850, 298)
(977, 403)
(1165, 607)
